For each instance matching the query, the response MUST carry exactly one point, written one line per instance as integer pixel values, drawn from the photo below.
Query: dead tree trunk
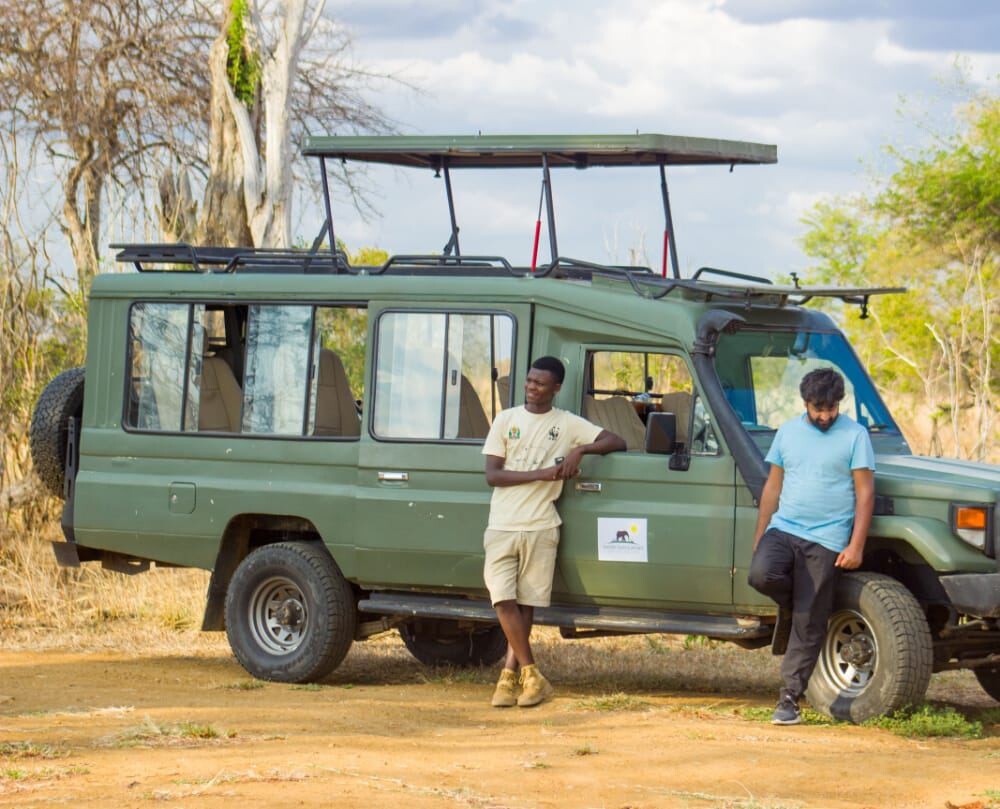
(224, 214)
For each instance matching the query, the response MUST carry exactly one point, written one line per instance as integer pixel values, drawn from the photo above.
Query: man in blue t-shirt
(814, 516)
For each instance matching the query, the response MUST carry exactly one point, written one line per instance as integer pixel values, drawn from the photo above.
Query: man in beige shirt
(530, 451)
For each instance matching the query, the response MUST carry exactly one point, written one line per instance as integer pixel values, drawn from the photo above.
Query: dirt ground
(636, 723)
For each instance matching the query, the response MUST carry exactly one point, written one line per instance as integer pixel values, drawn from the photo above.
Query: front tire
(436, 643)
(877, 656)
(290, 614)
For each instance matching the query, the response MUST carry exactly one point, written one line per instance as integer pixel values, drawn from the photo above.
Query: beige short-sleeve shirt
(528, 441)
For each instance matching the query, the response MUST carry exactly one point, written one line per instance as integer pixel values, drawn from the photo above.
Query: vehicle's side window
(441, 375)
(624, 387)
(260, 369)
(338, 375)
(277, 369)
(703, 438)
(163, 390)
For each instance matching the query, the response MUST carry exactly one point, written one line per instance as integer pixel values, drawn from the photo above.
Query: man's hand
(550, 473)
(850, 558)
(570, 466)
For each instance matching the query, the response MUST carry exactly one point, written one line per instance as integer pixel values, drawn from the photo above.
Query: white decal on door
(621, 539)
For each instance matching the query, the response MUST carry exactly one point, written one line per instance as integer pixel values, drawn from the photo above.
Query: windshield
(760, 372)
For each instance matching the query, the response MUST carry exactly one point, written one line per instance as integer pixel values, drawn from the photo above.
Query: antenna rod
(549, 208)
(453, 242)
(669, 239)
(329, 214)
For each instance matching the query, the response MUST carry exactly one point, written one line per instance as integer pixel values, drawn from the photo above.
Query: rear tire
(61, 400)
(290, 614)
(989, 679)
(877, 656)
(443, 643)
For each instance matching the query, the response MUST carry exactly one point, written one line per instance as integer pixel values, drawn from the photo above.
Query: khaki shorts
(520, 565)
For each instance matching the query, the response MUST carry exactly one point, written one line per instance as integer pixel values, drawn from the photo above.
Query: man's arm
(496, 475)
(604, 443)
(768, 501)
(864, 504)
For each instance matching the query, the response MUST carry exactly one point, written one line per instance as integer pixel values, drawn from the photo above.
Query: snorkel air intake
(748, 458)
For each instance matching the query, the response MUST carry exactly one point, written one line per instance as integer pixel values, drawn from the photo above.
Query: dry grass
(22, 750)
(45, 606)
(155, 734)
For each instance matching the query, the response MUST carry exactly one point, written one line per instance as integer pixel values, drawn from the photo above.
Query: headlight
(972, 523)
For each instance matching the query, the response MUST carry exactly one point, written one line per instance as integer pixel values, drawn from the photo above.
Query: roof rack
(643, 281)
(228, 259)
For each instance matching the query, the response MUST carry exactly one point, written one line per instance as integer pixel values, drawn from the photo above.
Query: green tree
(934, 227)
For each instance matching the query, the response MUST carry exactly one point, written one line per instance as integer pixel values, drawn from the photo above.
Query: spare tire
(61, 400)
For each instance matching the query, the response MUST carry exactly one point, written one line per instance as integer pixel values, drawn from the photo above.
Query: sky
(825, 81)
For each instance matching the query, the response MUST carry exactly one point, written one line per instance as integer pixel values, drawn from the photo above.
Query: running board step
(609, 619)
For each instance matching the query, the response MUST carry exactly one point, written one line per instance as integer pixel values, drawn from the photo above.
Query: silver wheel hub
(850, 653)
(278, 619)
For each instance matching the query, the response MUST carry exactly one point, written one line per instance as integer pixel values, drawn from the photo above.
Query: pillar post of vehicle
(453, 241)
(329, 214)
(549, 209)
(669, 240)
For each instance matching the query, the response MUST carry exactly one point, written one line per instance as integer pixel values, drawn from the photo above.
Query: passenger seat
(678, 403)
(336, 411)
(617, 416)
(472, 419)
(220, 398)
(503, 392)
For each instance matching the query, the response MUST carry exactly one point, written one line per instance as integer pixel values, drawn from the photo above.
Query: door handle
(394, 477)
(588, 486)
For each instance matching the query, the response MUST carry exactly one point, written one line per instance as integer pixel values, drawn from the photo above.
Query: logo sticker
(553, 434)
(622, 539)
(514, 432)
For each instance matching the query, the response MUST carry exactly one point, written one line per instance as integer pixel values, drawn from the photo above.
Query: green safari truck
(311, 432)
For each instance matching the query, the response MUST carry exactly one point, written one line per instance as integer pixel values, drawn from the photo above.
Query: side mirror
(661, 433)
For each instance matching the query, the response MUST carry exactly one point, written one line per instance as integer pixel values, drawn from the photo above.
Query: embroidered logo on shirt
(514, 432)
(553, 433)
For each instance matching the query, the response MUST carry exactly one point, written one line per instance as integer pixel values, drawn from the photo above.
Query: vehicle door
(638, 529)
(440, 374)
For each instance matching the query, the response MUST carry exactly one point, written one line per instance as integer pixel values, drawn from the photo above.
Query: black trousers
(800, 576)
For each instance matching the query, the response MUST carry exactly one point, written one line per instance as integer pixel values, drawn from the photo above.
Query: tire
(290, 614)
(989, 679)
(61, 399)
(443, 643)
(877, 622)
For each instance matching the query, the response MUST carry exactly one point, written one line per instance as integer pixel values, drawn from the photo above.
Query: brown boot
(505, 695)
(534, 687)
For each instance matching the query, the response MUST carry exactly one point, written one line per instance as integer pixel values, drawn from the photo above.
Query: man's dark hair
(822, 388)
(552, 365)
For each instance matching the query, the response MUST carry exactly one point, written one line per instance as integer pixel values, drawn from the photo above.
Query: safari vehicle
(310, 431)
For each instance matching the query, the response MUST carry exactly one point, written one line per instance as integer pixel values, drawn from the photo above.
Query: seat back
(679, 403)
(503, 392)
(336, 411)
(617, 416)
(472, 419)
(220, 398)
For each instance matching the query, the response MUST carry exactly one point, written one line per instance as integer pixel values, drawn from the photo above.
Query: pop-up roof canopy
(444, 152)
(527, 151)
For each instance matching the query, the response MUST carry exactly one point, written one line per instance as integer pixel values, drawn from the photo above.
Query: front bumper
(975, 594)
